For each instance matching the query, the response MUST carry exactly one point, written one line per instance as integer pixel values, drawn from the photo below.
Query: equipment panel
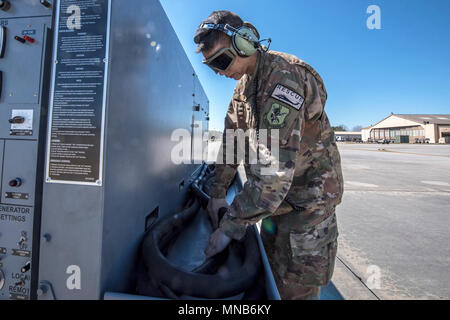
(15, 251)
(19, 177)
(21, 77)
(21, 63)
(24, 41)
(25, 8)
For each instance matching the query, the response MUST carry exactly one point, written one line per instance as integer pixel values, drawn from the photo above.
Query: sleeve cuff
(218, 191)
(233, 229)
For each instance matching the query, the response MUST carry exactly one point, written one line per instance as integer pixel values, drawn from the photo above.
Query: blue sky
(402, 68)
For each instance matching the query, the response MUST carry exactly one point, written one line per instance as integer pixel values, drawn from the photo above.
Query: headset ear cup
(255, 31)
(244, 47)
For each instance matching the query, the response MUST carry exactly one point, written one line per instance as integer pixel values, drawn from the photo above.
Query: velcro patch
(288, 96)
(277, 115)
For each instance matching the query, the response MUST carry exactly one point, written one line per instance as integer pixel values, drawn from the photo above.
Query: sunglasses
(221, 60)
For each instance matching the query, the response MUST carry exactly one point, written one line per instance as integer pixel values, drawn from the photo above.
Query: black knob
(26, 267)
(15, 183)
(5, 5)
(22, 40)
(46, 4)
(17, 120)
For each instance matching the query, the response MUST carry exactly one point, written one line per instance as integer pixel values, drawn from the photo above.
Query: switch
(5, 5)
(15, 183)
(17, 120)
(2, 41)
(46, 4)
(22, 241)
(29, 39)
(26, 267)
(22, 40)
(2, 279)
(21, 283)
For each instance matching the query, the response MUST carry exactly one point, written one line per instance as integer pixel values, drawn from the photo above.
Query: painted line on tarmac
(402, 152)
(360, 184)
(445, 193)
(437, 183)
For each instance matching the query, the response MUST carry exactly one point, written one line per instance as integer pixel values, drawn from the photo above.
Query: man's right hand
(213, 208)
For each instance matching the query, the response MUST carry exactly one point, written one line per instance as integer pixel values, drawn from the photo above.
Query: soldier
(296, 202)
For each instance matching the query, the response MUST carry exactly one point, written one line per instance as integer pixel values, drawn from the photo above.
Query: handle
(2, 41)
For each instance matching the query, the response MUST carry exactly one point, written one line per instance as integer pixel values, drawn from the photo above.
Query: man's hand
(213, 208)
(217, 243)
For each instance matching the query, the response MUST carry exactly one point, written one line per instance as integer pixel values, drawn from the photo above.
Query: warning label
(78, 96)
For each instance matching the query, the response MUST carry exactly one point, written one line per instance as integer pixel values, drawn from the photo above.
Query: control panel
(25, 53)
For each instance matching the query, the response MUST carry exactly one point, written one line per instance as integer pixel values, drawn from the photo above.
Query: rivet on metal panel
(47, 237)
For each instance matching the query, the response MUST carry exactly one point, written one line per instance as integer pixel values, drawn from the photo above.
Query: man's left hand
(217, 243)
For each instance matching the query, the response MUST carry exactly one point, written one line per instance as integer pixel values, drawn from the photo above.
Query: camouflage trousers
(301, 248)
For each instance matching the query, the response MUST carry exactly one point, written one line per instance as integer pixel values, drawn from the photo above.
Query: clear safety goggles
(221, 60)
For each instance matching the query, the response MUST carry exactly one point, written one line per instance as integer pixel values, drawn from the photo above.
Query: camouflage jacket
(291, 99)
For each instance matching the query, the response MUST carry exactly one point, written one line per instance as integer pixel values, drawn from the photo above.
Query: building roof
(347, 133)
(431, 118)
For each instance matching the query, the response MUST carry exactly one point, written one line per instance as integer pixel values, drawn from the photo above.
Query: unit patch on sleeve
(288, 96)
(276, 116)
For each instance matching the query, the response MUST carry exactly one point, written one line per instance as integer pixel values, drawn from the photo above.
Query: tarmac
(394, 222)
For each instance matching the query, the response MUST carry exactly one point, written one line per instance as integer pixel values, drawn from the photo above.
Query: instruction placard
(75, 140)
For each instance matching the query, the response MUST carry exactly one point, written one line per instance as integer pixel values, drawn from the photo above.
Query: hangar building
(347, 136)
(418, 127)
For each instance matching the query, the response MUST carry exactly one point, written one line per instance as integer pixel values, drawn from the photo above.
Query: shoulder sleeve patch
(288, 96)
(276, 117)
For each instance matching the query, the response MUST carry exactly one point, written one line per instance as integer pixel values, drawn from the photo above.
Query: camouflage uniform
(297, 202)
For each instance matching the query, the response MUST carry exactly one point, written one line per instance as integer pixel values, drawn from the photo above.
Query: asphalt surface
(394, 219)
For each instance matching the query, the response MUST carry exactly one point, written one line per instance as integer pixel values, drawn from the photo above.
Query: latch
(2, 41)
